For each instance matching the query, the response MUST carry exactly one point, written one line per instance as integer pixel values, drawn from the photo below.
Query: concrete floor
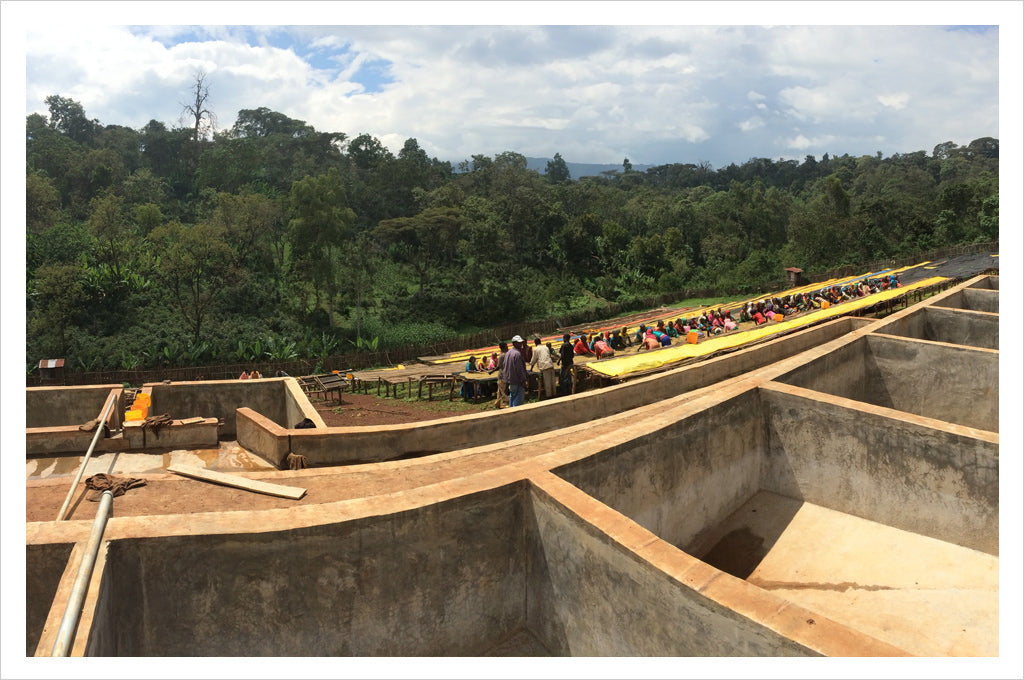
(865, 575)
(229, 456)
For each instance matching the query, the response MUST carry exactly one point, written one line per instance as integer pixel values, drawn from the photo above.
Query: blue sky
(463, 81)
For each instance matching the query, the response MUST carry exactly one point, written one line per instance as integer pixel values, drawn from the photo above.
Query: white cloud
(894, 101)
(751, 124)
(802, 143)
(667, 93)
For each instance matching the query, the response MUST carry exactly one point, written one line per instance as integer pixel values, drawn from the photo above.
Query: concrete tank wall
(56, 406)
(220, 398)
(588, 596)
(958, 327)
(892, 471)
(680, 480)
(926, 379)
(447, 579)
(973, 299)
(986, 283)
(935, 381)
(44, 566)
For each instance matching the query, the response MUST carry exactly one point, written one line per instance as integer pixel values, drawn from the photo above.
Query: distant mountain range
(577, 170)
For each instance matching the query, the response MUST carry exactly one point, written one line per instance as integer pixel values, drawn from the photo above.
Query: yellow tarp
(686, 312)
(651, 359)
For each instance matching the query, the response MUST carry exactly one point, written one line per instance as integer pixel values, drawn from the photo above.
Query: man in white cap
(513, 372)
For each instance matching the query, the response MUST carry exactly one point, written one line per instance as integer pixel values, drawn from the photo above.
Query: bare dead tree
(197, 110)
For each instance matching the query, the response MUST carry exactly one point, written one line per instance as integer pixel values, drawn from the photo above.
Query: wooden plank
(205, 475)
(189, 421)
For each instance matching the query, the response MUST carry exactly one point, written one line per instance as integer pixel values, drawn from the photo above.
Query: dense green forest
(180, 246)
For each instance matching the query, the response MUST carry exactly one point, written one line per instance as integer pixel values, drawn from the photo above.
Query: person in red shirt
(581, 348)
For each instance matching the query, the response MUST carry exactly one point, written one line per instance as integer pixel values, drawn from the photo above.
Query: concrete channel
(817, 495)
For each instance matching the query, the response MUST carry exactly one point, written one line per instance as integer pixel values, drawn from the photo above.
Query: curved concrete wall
(347, 445)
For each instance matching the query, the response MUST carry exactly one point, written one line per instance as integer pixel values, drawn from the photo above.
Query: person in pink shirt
(601, 349)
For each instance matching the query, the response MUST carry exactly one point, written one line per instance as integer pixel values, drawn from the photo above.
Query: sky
(596, 91)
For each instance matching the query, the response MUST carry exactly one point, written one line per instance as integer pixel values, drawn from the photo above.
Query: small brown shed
(51, 371)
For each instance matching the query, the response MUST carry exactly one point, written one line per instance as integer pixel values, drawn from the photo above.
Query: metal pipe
(96, 438)
(62, 646)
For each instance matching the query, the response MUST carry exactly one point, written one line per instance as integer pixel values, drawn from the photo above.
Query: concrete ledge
(64, 439)
(262, 436)
(176, 435)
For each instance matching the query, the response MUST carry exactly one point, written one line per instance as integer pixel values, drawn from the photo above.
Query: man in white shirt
(543, 361)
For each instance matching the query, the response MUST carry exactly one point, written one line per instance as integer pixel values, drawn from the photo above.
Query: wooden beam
(205, 475)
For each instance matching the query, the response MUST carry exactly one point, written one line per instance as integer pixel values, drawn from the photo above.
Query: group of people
(513, 366)
(254, 375)
(773, 309)
(514, 363)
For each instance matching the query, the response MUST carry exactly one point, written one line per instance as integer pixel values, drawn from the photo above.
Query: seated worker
(650, 342)
(468, 390)
(758, 318)
(602, 349)
(616, 342)
(626, 340)
(641, 334)
(665, 340)
(581, 348)
(670, 328)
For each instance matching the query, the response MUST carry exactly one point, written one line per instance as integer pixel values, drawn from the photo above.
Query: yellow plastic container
(142, 400)
(691, 337)
(134, 414)
(825, 304)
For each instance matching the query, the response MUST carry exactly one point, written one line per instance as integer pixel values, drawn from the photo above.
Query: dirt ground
(369, 409)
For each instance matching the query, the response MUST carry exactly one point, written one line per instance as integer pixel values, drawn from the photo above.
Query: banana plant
(170, 355)
(242, 352)
(280, 349)
(328, 345)
(129, 362)
(195, 352)
(368, 345)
